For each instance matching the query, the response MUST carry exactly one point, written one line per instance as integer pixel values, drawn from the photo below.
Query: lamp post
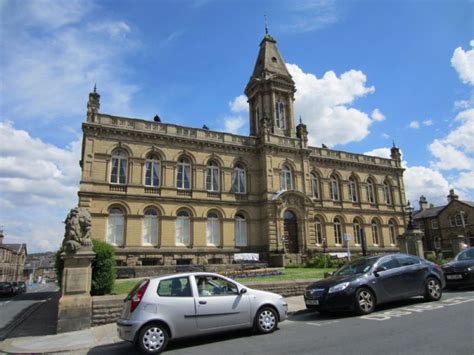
(463, 222)
(409, 209)
(324, 252)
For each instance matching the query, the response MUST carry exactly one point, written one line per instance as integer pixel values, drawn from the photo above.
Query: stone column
(410, 242)
(75, 304)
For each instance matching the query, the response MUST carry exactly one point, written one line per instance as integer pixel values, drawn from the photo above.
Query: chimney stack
(452, 196)
(423, 203)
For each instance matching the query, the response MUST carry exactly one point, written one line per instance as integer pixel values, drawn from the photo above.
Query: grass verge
(289, 274)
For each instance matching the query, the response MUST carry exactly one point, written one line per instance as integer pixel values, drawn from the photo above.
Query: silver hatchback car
(190, 304)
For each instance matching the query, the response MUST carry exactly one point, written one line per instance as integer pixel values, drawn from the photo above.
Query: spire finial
(95, 88)
(266, 24)
(394, 146)
(301, 120)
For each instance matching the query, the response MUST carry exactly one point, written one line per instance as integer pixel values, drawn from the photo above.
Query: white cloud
(47, 74)
(307, 16)
(385, 135)
(414, 124)
(427, 122)
(234, 124)
(324, 105)
(448, 157)
(463, 62)
(239, 104)
(379, 152)
(377, 115)
(420, 180)
(463, 135)
(38, 185)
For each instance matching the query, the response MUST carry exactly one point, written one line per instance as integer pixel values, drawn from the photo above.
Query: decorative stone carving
(78, 230)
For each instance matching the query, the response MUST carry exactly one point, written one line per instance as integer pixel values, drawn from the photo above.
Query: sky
(368, 73)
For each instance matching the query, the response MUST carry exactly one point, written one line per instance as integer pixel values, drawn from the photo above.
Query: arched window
(239, 180)
(353, 195)
(213, 229)
(183, 228)
(334, 188)
(150, 227)
(375, 232)
(115, 226)
(152, 171)
(279, 113)
(357, 231)
(337, 231)
(315, 186)
(183, 178)
(240, 231)
(370, 191)
(286, 178)
(118, 173)
(318, 228)
(392, 232)
(212, 176)
(387, 193)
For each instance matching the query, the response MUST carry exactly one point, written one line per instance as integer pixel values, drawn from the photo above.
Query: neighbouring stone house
(12, 260)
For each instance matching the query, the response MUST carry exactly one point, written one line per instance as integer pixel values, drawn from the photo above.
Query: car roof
(185, 274)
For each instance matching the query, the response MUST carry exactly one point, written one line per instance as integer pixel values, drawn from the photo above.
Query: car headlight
(339, 287)
(470, 268)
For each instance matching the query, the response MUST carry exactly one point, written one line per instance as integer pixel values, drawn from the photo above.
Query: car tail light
(137, 297)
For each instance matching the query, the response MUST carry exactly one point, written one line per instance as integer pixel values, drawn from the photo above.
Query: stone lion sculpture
(78, 230)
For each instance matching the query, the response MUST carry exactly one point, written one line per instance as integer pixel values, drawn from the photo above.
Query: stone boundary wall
(107, 309)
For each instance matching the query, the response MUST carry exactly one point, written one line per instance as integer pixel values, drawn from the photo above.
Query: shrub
(59, 266)
(325, 261)
(436, 259)
(103, 268)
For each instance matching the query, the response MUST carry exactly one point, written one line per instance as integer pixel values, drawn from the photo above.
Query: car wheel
(433, 291)
(153, 339)
(364, 301)
(266, 320)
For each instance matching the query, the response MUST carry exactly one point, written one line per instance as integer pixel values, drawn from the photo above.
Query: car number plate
(454, 277)
(312, 302)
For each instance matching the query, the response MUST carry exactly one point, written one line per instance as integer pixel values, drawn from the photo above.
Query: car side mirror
(243, 290)
(328, 274)
(377, 271)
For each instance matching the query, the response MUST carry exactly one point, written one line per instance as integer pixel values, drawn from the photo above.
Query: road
(36, 306)
(410, 327)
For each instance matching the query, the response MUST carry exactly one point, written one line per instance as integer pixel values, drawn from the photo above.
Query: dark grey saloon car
(364, 283)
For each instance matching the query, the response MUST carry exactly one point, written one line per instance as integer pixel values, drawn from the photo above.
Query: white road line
(322, 324)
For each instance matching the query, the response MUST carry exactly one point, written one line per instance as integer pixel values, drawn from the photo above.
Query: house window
(118, 173)
(375, 233)
(240, 231)
(337, 231)
(334, 187)
(213, 229)
(353, 190)
(392, 232)
(150, 227)
(279, 114)
(387, 194)
(183, 180)
(212, 176)
(152, 171)
(357, 232)
(239, 180)
(370, 191)
(315, 185)
(183, 228)
(115, 226)
(318, 230)
(434, 224)
(286, 178)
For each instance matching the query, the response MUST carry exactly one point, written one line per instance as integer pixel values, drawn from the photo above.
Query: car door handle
(202, 302)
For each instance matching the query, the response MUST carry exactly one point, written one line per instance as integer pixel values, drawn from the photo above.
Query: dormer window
(279, 114)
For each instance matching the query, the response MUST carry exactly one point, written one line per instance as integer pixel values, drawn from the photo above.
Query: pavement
(80, 341)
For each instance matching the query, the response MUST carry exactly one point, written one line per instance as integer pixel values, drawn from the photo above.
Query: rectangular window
(434, 223)
(240, 232)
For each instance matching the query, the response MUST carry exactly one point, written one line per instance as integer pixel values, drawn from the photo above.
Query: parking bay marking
(416, 308)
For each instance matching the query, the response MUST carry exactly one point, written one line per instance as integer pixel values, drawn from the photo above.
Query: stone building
(12, 260)
(167, 194)
(446, 227)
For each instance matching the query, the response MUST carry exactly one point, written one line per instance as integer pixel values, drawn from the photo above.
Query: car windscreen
(467, 254)
(356, 267)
